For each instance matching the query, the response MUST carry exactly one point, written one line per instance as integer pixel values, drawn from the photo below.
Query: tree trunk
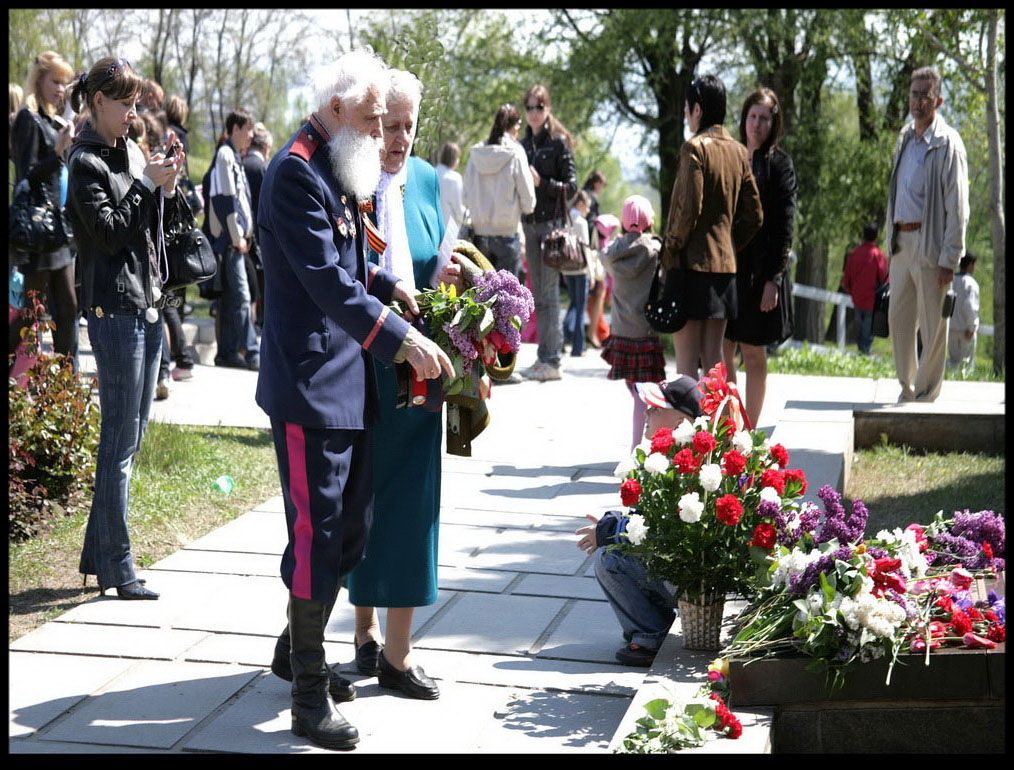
(670, 137)
(998, 233)
(864, 98)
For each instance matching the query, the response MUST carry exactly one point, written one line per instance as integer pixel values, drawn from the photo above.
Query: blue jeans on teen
(864, 323)
(643, 606)
(504, 251)
(545, 292)
(573, 320)
(236, 327)
(127, 351)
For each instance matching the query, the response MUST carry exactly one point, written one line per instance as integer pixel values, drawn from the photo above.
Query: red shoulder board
(304, 146)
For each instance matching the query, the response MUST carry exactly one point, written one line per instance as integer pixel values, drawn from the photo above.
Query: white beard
(355, 161)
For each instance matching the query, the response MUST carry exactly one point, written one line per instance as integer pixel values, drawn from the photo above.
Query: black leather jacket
(767, 255)
(115, 221)
(554, 161)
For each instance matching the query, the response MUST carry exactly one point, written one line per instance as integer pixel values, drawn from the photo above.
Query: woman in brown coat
(715, 211)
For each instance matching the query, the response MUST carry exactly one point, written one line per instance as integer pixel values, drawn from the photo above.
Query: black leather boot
(341, 689)
(314, 715)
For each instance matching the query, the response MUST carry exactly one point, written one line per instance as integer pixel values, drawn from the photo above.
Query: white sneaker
(542, 372)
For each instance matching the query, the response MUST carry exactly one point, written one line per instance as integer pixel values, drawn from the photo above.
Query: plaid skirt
(639, 359)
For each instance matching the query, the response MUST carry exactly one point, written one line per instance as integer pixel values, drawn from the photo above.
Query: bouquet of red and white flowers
(695, 494)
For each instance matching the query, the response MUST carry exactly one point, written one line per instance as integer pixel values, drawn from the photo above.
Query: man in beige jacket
(927, 213)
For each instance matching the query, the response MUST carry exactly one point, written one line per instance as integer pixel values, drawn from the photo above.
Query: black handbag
(561, 249)
(665, 310)
(36, 224)
(189, 258)
(881, 304)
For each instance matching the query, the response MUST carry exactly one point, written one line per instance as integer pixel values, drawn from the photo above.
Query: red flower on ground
(773, 478)
(764, 535)
(728, 509)
(938, 629)
(973, 614)
(795, 474)
(685, 461)
(662, 441)
(781, 455)
(997, 633)
(884, 575)
(920, 538)
(987, 549)
(733, 462)
(989, 615)
(630, 492)
(961, 577)
(704, 442)
(960, 623)
(946, 603)
(735, 727)
(978, 643)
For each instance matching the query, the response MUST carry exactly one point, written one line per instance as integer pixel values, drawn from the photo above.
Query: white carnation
(636, 528)
(656, 463)
(624, 466)
(742, 441)
(711, 477)
(792, 563)
(684, 432)
(770, 494)
(691, 507)
(702, 422)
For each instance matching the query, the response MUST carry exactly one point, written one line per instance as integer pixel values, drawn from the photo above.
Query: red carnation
(630, 492)
(946, 603)
(960, 623)
(781, 455)
(773, 478)
(662, 441)
(987, 549)
(764, 536)
(685, 461)
(728, 509)
(997, 633)
(733, 462)
(920, 538)
(735, 727)
(795, 474)
(704, 442)
(884, 576)
(989, 615)
(973, 614)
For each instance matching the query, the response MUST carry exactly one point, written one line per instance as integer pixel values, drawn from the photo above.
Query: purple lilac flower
(809, 517)
(512, 299)
(951, 549)
(836, 525)
(877, 553)
(464, 345)
(981, 527)
(802, 582)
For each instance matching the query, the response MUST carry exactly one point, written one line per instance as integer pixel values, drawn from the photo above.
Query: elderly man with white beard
(325, 313)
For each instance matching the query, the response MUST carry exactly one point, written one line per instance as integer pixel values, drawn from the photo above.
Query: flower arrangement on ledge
(843, 599)
(704, 498)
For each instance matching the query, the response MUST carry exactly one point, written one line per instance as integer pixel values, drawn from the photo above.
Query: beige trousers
(916, 303)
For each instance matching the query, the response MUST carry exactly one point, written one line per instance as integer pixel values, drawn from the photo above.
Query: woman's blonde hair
(46, 63)
(17, 95)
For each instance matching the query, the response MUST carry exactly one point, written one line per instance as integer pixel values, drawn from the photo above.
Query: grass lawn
(172, 503)
(901, 485)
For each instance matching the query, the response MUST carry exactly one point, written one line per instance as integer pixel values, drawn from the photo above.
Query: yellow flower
(721, 665)
(861, 548)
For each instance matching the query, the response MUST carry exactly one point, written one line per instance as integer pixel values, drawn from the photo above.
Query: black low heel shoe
(367, 657)
(414, 682)
(132, 590)
(341, 689)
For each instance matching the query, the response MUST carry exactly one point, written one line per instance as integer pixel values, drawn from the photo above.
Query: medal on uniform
(151, 315)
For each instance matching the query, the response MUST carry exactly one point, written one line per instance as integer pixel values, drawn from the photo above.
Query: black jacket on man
(255, 166)
(554, 161)
(33, 145)
(115, 221)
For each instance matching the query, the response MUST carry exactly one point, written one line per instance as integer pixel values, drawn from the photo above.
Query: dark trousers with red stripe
(327, 485)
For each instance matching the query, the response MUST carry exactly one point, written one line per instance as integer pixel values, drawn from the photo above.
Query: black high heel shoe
(84, 581)
(414, 682)
(132, 590)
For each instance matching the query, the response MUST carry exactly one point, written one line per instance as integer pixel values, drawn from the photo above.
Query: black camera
(949, 299)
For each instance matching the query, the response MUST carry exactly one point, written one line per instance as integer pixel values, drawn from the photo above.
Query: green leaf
(657, 708)
(487, 323)
(456, 321)
(702, 715)
(516, 322)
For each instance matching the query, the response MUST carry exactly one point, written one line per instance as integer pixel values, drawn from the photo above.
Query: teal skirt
(400, 565)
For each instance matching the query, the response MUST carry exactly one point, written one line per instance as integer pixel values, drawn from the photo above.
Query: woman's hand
(64, 138)
(450, 274)
(536, 179)
(587, 541)
(157, 170)
(177, 160)
(769, 299)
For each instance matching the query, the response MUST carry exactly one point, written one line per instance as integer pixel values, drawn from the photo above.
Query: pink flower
(978, 643)
(961, 577)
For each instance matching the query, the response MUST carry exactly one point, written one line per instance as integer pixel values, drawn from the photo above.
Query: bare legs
(638, 416)
(755, 364)
(596, 306)
(698, 343)
(398, 643)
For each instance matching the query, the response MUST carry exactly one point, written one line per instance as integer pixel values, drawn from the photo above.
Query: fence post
(840, 310)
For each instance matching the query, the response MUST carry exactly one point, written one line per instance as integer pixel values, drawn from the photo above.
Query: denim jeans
(545, 292)
(236, 329)
(864, 324)
(127, 351)
(643, 606)
(504, 251)
(573, 320)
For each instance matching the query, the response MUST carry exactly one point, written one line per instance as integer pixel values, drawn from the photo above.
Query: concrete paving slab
(492, 623)
(233, 402)
(500, 493)
(539, 721)
(274, 504)
(533, 473)
(566, 587)
(547, 520)
(242, 604)
(529, 672)
(220, 563)
(252, 532)
(521, 551)
(588, 496)
(113, 641)
(343, 617)
(466, 579)
(35, 746)
(152, 704)
(250, 650)
(41, 687)
(588, 632)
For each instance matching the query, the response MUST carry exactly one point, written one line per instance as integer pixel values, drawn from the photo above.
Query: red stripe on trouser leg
(299, 492)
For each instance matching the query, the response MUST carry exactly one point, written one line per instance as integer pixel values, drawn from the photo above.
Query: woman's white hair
(403, 85)
(349, 77)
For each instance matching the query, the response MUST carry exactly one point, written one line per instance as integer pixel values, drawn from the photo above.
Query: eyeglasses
(535, 108)
(120, 63)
